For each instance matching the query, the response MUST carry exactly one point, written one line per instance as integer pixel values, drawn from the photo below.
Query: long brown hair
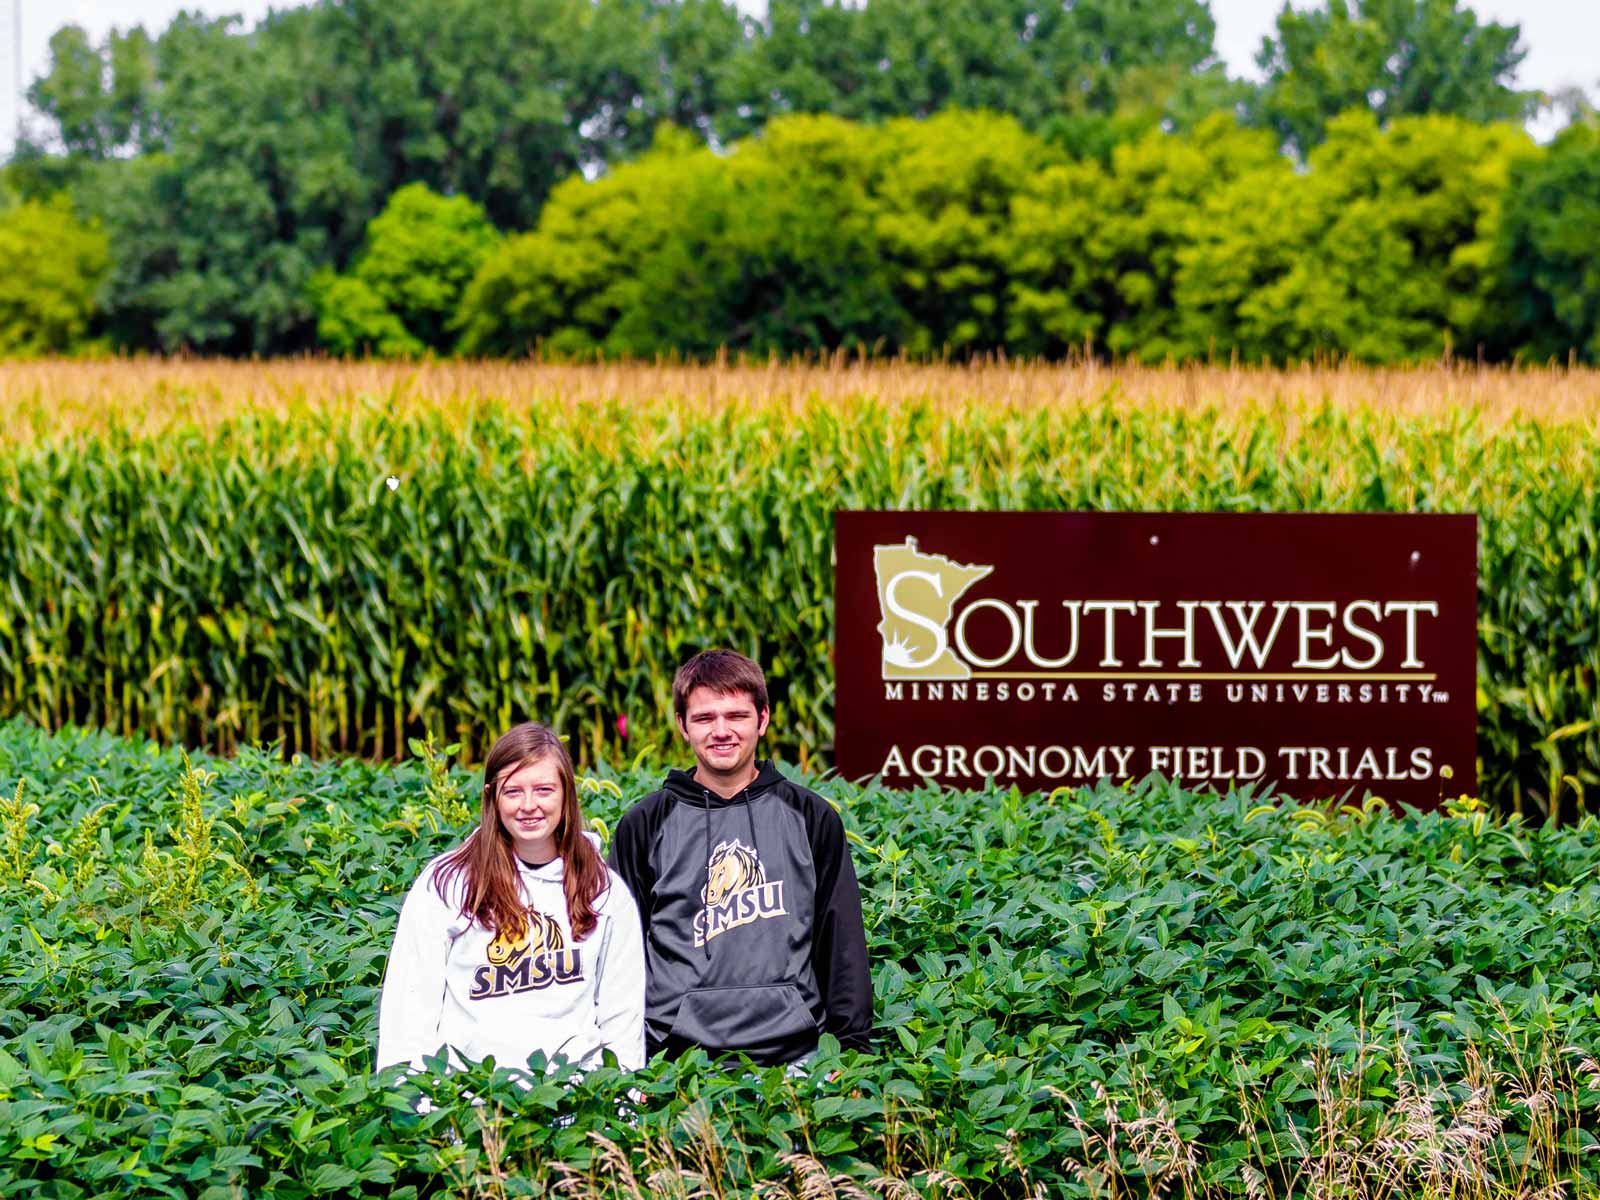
(486, 863)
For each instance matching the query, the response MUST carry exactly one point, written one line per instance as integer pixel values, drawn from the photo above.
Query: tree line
(599, 177)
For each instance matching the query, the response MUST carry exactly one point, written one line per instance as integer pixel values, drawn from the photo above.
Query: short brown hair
(726, 672)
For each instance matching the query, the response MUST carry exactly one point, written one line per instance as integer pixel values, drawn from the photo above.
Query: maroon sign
(1329, 654)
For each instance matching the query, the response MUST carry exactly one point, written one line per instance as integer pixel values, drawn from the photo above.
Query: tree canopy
(47, 300)
(1550, 237)
(1394, 57)
(929, 176)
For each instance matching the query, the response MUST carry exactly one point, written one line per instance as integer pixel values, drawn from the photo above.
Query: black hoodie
(752, 919)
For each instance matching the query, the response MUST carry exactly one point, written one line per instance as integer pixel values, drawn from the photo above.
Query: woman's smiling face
(529, 802)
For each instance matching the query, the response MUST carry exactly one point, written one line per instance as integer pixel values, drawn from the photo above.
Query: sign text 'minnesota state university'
(1323, 652)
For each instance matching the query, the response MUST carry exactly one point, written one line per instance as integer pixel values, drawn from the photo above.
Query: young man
(751, 913)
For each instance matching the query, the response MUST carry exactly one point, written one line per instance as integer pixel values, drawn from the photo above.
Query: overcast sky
(1561, 36)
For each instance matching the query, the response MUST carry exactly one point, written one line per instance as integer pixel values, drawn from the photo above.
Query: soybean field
(1117, 991)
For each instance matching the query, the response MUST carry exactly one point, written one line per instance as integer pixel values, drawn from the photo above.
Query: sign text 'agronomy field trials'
(1325, 653)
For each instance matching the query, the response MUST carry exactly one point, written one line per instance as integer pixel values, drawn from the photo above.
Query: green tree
(102, 99)
(353, 320)
(1393, 57)
(497, 102)
(944, 213)
(1158, 98)
(912, 58)
(1550, 246)
(699, 43)
(278, 146)
(492, 101)
(1382, 250)
(773, 252)
(563, 286)
(51, 268)
(768, 249)
(217, 239)
(402, 293)
(32, 173)
(1095, 251)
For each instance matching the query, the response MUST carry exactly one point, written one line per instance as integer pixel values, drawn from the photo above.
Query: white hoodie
(451, 982)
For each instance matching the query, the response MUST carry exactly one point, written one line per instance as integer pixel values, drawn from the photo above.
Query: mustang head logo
(541, 933)
(734, 867)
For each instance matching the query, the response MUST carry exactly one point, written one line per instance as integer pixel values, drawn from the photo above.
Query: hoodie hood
(686, 788)
(553, 871)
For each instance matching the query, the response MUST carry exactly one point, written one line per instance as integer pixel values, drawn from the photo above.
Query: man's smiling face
(722, 729)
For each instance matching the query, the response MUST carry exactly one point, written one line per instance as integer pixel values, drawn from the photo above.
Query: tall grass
(1517, 1124)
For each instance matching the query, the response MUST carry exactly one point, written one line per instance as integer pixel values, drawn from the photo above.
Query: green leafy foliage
(401, 295)
(267, 152)
(1383, 251)
(965, 233)
(217, 236)
(263, 580)
(496, 103)
(775, 254)
(1146, 99)
(943, 210)
(101, 99)
(774, 249)
(1550, 237)
(353, 319)
(1095, 252)
(231, 168)
(818, 234)
(913, 58)
(1390, 57)
(52, 267)
(236, 172)
(1226, 973)
(564, 287)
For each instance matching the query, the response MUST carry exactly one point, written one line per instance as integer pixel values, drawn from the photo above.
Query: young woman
(520, 939)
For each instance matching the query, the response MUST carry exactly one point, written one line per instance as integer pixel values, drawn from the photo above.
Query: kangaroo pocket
(731, 1018)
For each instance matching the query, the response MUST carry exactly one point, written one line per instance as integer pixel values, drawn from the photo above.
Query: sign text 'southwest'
(1325, 653)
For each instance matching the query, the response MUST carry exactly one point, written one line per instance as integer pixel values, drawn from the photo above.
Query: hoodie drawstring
(755, 845)
(705, 943)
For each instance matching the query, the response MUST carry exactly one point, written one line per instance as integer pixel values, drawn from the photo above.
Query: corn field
(338, 558)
